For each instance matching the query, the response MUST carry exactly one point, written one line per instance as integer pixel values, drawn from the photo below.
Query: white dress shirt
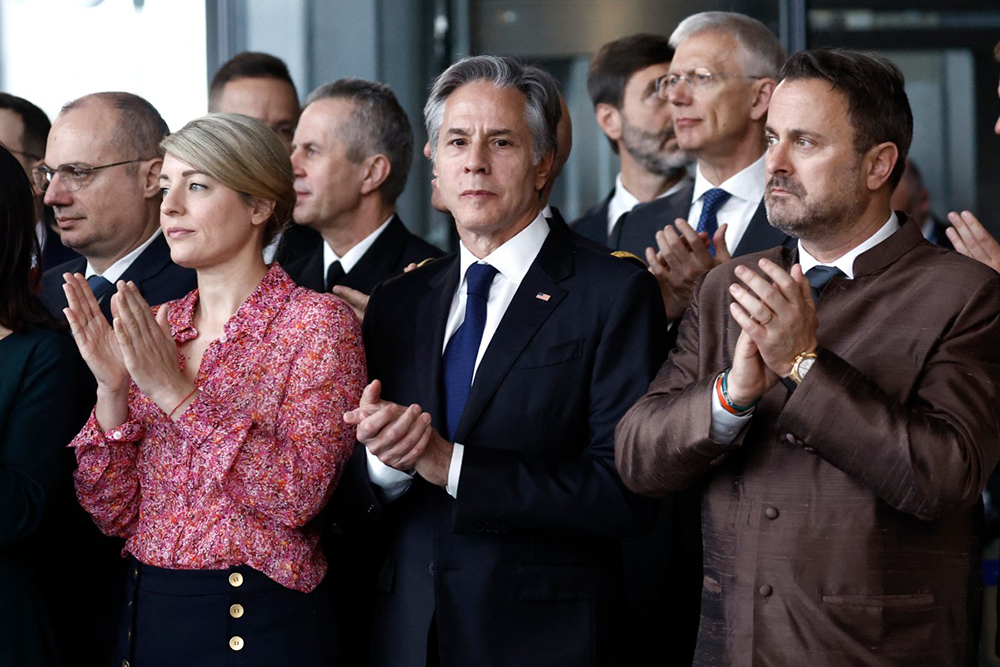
(114, 272)
(746, 189)
(725, 425)
(512, 261)
(354, 255)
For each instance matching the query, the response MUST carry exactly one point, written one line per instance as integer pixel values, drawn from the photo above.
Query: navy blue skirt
(219, 618)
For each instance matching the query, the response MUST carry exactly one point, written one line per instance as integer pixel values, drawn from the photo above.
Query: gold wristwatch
(803, 362)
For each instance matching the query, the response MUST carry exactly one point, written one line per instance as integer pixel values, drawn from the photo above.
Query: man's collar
(354, 255)
(747, 184)
(116, 270)
(513, 258)
(846, 261)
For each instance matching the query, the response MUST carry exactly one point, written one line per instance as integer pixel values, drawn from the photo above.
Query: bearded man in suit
(834, 403)
(497, 483)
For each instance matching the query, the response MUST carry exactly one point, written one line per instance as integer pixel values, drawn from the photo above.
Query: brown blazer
(840, 526)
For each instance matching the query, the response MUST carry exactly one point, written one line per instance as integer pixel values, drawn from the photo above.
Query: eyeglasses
(73, 177)
(696, 79)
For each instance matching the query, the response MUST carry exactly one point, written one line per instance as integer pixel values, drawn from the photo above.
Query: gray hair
(762, 53)
(378, 125)
(542, 108)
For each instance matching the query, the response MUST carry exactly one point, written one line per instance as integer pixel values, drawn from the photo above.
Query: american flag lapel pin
(542, 296)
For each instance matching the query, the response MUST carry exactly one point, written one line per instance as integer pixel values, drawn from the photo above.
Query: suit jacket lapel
(523, 318)
(379, 261)
(760, 235)
(430, 339)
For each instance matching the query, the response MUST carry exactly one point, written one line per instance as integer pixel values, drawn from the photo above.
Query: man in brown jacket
(835, 403)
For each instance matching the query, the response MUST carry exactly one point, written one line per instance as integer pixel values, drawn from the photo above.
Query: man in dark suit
(637, 122)
(843, 448)
(353, 148)
(718, 87)
(497, 484)
(100, 176)
(24, 128)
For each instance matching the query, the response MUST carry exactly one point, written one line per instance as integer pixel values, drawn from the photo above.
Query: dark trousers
(220, 618)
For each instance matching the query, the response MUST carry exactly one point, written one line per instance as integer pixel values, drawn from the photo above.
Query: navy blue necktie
(819, 275)
(100, 286)
(463, 348)
(712, 201)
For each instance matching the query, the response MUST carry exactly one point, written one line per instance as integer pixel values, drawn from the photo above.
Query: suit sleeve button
(765, 591)
(771, 513)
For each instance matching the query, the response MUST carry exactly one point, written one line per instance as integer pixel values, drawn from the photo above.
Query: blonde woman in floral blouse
(218, 436)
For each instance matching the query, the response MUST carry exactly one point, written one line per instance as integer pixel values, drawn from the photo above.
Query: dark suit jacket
(594, 223)
(840, 525)
(521, 569)
(641, 225)
(392, 251)
(40, 391)
(158, 279)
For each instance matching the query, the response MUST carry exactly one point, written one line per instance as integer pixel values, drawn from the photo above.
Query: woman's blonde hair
(242, 154)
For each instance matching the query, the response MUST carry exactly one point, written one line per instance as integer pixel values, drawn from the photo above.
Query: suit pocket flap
(559, 582)
(549, 356)
(881, 601)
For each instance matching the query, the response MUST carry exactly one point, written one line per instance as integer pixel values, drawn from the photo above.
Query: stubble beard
(647, 148)
(797, 215)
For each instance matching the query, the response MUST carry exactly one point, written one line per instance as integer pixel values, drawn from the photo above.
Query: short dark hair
(377, 125)
(36, 124)
(615, 63)
(139, 128)
(248, 65)
(18, 278)
(877, 106)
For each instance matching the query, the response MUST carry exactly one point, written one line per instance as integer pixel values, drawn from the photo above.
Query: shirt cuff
(392, 482)
(725, 425)
(455, 471)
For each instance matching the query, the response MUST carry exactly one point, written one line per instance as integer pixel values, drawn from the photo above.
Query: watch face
(805, 365)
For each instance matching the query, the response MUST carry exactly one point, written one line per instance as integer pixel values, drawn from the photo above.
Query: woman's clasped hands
(137, 346)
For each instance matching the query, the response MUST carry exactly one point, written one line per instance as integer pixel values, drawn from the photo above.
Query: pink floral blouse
(241, 475)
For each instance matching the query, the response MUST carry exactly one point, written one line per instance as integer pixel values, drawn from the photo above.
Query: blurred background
(52, 51)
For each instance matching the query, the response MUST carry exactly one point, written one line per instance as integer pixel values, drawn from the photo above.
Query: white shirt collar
(846, 261)
(747, 184)
(513, 258)
(354, 255)
(114, 272)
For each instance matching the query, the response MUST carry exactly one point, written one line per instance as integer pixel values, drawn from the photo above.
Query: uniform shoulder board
(629, 257)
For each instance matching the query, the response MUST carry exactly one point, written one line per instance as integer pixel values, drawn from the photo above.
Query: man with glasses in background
(23, 131)
(719, 87)
(100, 175)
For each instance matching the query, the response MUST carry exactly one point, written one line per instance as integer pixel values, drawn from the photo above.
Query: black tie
(334, 274)
(819, 275)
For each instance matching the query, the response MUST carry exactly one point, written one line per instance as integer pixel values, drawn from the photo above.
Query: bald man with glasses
(100, 176)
